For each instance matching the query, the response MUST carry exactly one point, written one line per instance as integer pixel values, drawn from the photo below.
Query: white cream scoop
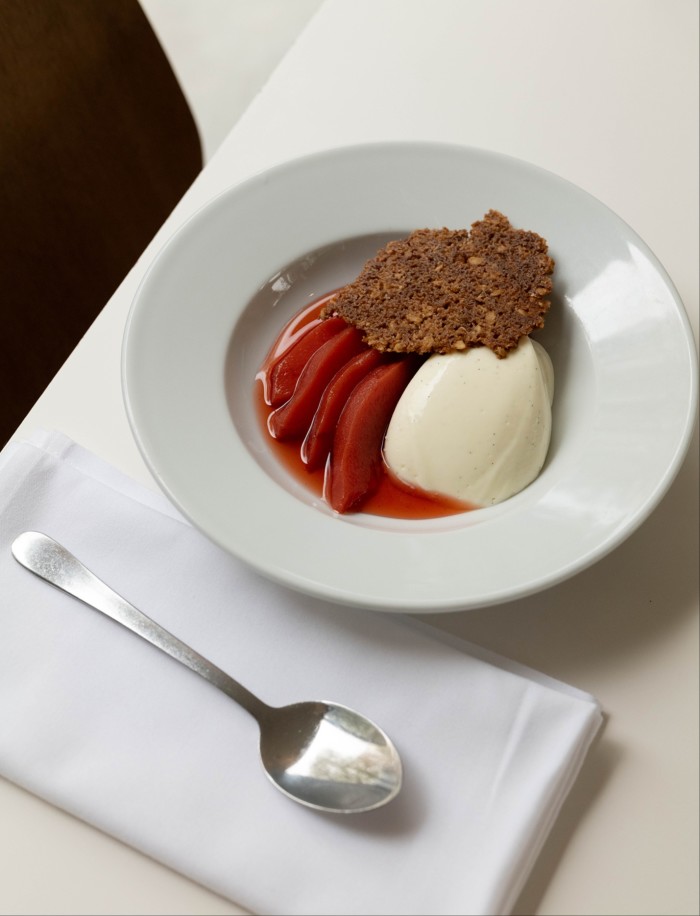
(474, 427)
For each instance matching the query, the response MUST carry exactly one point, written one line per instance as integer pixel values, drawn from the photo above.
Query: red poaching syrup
(393, 498)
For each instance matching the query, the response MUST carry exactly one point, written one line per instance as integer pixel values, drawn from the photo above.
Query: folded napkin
(103, 725)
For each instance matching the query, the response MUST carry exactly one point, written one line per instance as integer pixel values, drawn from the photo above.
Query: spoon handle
(51, 561)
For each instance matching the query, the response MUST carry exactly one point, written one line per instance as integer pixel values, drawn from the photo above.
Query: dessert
(441, 290)
(283, 376)
(472, 426)
(419, 378)
(356, 454)
(294, 417)
(317, 443)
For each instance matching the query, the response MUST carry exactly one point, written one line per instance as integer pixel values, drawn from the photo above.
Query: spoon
(322, 755)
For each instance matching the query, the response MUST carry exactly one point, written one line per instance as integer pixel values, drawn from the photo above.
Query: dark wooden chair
(97, 145)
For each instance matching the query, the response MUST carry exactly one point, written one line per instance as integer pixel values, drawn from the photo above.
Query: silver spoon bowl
(320, 754)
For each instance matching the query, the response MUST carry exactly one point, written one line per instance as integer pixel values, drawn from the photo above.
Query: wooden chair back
(97, 145)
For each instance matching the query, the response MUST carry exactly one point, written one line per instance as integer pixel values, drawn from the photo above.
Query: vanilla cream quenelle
(474, 427)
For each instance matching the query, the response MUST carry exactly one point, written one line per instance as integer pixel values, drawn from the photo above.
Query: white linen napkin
(106, 727)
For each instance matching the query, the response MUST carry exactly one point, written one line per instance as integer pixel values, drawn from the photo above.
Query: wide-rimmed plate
(221, 289)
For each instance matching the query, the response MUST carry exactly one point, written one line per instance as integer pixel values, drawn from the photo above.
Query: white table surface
(605, 94)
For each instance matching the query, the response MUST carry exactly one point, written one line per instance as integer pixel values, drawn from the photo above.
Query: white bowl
(220, 290)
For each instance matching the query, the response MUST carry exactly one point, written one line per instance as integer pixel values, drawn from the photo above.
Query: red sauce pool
(393, 498)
